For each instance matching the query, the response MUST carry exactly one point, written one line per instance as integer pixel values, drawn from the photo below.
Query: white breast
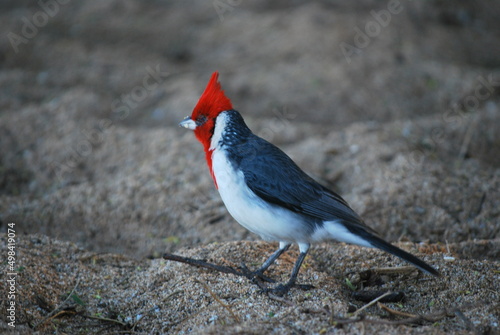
(253, 213)
(269, 221)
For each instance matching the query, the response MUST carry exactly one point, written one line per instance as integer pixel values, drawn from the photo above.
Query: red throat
(212, 102)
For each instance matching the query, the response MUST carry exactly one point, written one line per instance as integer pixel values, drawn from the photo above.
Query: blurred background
(395, 104)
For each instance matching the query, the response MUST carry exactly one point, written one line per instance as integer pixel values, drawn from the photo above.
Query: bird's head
(212, 102)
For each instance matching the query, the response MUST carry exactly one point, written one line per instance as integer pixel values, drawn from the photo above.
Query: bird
(266, 192)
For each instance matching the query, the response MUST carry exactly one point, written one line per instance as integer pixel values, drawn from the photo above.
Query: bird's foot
(255, 275)
(283, 289)
(304, 287)
(279, 290)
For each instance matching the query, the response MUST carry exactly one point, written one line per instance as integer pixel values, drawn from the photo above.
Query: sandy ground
(395, 105)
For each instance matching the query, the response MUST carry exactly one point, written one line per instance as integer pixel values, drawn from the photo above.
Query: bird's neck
(230, 131)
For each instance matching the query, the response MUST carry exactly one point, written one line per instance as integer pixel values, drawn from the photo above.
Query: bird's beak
(188, 123)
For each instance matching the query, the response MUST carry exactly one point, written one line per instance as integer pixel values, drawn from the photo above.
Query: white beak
(188, 123)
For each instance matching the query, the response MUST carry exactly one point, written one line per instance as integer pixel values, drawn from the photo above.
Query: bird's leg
(282, 248)
(260, 272)
(283, 289)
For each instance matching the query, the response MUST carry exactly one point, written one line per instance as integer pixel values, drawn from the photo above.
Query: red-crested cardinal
(267, 193)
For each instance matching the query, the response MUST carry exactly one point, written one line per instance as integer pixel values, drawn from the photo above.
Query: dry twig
(394, 270)
(58, 311)
(371, 303)
(395, 312)
(226, 306)
(244, 272)
(415, 318)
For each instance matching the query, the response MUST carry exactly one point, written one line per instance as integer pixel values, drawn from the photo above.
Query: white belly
(253, 213)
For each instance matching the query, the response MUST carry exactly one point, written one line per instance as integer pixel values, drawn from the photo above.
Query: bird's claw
(304, 287)
(279, 290)
(283, 289)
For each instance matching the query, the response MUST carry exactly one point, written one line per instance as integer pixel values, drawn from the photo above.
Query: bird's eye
(200, 120)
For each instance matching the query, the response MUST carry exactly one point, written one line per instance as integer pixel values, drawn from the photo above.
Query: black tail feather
(379, 243)
(383, 245)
